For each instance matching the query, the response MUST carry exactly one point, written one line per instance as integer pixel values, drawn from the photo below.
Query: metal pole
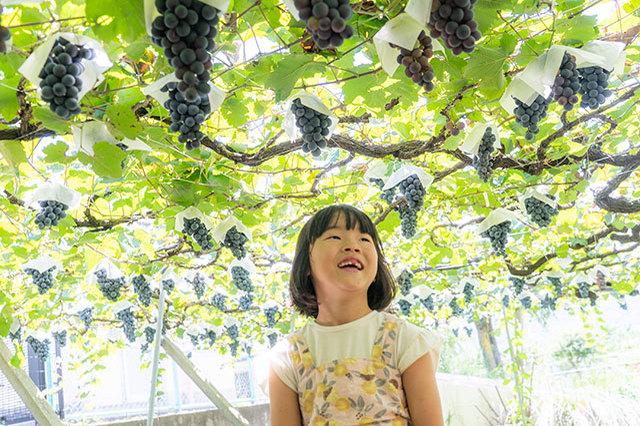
(156, 356)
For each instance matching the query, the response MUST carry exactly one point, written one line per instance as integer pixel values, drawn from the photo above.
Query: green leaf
(286, 74)
(50, 120)
(8, 100)
(55, 153)
(106, 161)
(485, 65)
(360, 86)
(115, 19)
(12, 152)
(578, 29)
(123, 120)
(234, 111)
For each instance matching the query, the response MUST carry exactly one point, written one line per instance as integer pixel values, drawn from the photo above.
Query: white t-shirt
(355, 340)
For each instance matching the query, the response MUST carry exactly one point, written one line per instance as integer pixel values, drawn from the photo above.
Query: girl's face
(343, 262)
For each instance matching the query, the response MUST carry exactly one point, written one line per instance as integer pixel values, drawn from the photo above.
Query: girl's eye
(334, 236)
(366, 239)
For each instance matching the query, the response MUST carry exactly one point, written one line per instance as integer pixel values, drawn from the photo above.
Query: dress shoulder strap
(385, 343)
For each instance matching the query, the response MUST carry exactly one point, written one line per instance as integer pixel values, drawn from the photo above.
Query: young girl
(354, 364)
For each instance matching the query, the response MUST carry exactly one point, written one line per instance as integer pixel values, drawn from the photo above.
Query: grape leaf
(286, 74)
(485, 66)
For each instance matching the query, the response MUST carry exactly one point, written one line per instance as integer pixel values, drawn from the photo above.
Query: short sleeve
(282, 364)
(414, 342)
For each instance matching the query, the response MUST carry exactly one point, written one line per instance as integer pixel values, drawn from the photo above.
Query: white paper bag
(474, 138)
(88, 133)
(496, 217)
(190, 213)
(220, 232)
(52, 192)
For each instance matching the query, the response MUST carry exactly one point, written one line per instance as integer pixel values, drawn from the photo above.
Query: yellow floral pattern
(351, 391)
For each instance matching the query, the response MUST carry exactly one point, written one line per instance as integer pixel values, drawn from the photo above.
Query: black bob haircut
(301, 290)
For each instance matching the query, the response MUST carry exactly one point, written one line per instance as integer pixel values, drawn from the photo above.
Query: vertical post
(176, 386)
(156, 356)
(252, 385)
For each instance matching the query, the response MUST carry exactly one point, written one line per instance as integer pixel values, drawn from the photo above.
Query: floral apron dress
(352, 391)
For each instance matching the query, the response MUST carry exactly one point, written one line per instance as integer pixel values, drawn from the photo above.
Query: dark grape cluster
(60, 76)
(526, 301)
(241, 279)
(505, 300)
(186, 116)
(404, 282)
(593, 86)
(529, 116)
(557, 285)
(583, 290)
(413, 190)
(313, 125)
(548, 302)
(428, 303)
(518, 284)
(196, 228)
(483, 162)
(388, 194)
(5, 35)
(233, 348)
(270, 312)
(468, 292)
(168, 285)
(86, 316)
(456, 310)
(219, 300)
(143, 289)
(51, 212)
(408, 220)
(232, 332)
(149, 336)
(498, 235)
(326, 21)
(42, 280)
(198, 285)
(405, 307)
(540, 212)
(110, 287)
(566, 86)
(455, 129)
(453, 22)
(416, 62)
(60, 337)
(41, 348)
(245, 301)
(211, 335)
(17, 336)
(235, 241)
(194, 339)
(126, 316)
(273, 339)
(186, 29)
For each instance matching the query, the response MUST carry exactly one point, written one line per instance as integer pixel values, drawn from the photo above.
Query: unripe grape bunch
(110, 287)
(241, 279)
(196, 228)
(498, 235)
(186, 116)
(529, 116)
(326, 21)
(483, 162)
(453, 22)
(51, 211)
(593, 86)
(186, 29)
(566, 86)
(416, 62)
(313, 125)
(43, 280)
(540, 212)
(235, 240)
(60, 76)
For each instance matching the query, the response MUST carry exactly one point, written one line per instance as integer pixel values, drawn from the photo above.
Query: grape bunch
(416, 62)
(273, 339)
(566, 86)
(51, 212)
(41, 348)
(60, 337)
(199, 232)
(453, 22)
(86, 316)
(483, 162)
(110, 287)
(186, 29)
(241, 279)
(126, 316)
(232, 332)
(505, 300)
(149, 336)
(186, 116)
(593, 86)
(233, 348)
(548, 302)
(168, 285)
(583, 290)
(428, 303)
(270, 312)
(194, 339)
(539, 211)
(518, 284)
(526, 301)
(388, 194)
(211, 335)
(198, 285)
(245, 301)
(404, 281)
(529, 116)
(60, 76)
(557, 285)
(219, 300)
(5, 35)
(43, 280)
(17, 336)
(498, 234)
(456, 310)
(408, 220)
(468, 292)
(455, 129)
(143, 289)
(326, 21)
(413, 190)
(405, 307)
(313, 125)
(235, 241)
